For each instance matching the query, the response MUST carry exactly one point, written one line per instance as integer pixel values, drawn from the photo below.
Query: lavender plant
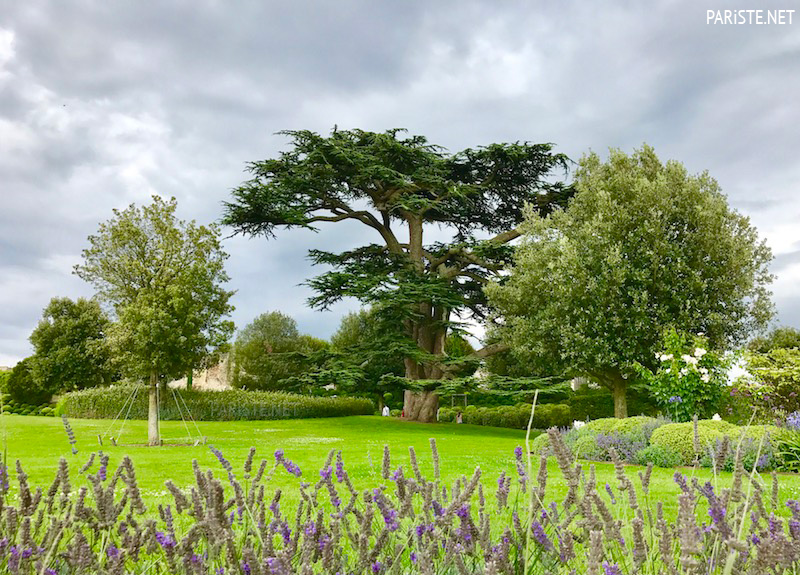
(233, 522)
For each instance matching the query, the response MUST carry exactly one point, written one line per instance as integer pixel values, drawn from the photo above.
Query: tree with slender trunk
(400, 188)
(163, 278)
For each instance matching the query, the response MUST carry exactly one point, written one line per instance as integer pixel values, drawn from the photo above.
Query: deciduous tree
(70, 346)
(642, 246)
(164, 278)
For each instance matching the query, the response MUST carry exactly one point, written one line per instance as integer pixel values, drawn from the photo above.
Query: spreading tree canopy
(70, 346)
(164, 278)
(642, 246)
(268, 351)
(399, 187)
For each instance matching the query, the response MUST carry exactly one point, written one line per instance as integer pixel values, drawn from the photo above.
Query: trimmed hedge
(514, 417)
(228, 405)
(17, 408)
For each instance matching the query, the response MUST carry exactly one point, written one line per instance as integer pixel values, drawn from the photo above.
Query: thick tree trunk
(153, 435)
(421, 405)
(620, 399)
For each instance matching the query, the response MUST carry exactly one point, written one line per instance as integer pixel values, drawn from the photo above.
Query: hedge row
(228, 405)
(515, 417)
(17, 408)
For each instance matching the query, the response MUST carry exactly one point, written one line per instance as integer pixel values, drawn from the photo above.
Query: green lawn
(38, 442)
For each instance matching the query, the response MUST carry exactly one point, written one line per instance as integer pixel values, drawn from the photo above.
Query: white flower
(705, 378)
(699, 352)
(700, 334)
(578, 424)
(703, 370)
(668, 370)
(684, 371)
(665, 357)
(716, 417)
(689, 359)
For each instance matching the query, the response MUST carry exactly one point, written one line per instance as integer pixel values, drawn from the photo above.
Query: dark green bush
(234, 404)
(588, 403)
(512, 416)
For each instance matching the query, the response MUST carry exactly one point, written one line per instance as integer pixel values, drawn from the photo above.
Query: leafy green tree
(70, 346)
(270, 350)
(642, 246)
(400, 187)
(778, 338)
(22, 387)
(164, 278)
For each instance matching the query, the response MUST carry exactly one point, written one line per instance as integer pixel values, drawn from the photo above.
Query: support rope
(180, 411)
(191, 417)
(124, 421)
(125, 403)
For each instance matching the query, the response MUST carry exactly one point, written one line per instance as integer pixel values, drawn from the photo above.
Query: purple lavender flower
(675, 399)
(340, 474)
(246, 568)
(611, 494)
(793, 420)
(326, 473)
(279, 455)
(165, 540)
(413, 557)
(518, 452)
(794, 528)
(680, 479)
(541, 536)
(377, 566)
(323, 542)
(609, 569)
(286, 533)
(112, 552)
(310, 529)
(3, 478)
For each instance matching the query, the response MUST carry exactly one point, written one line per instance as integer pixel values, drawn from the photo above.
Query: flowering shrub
(689, 380)
(771, 389)
(232, 523)
(232, 404)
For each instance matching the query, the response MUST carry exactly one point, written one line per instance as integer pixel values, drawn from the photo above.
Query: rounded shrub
(679, 437)
(632, 424)
(586, 447)
(541, 444)
(724, 427)
(658, 455)
(603, 425)
(447, 415)
(756, 432)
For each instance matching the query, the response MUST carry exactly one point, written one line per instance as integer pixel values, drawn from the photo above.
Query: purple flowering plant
(413, 524)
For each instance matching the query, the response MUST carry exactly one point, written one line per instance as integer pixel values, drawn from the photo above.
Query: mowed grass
(39, 442)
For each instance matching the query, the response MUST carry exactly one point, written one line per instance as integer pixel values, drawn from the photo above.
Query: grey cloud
(104, 104)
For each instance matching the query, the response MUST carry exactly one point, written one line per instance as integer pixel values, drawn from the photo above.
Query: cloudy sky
(106, 103)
